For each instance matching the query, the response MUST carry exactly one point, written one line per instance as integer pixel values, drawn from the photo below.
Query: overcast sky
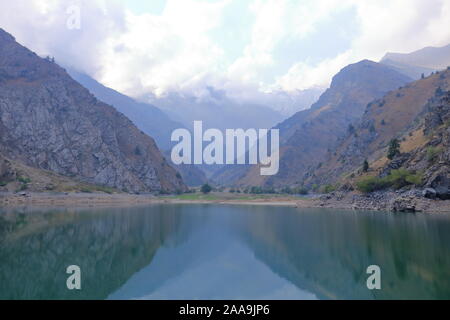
(158, 46)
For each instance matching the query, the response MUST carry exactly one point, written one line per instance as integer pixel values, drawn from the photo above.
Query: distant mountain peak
(430, 58)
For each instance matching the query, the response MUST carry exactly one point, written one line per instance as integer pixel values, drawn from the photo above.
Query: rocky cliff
(49, 121)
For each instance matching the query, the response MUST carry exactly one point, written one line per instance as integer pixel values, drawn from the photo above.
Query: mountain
(216, 110)
(51, 122)
(416, 115)
(423, 61)
(306, 137)
(148, 118)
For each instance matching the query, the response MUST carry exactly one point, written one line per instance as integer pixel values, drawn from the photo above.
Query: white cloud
(384, 26)
(177, 50)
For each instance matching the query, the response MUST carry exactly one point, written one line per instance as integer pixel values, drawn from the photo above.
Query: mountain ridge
(307, 135)
(49, 121)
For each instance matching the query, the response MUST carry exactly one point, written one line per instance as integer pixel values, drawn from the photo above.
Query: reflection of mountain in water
(222, 252)
(327, 254)
(108, 245)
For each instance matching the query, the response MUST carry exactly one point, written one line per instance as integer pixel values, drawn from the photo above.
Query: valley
(322, 149)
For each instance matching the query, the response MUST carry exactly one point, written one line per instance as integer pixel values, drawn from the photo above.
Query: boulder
(403, 204)
(443, 192)
(429, 193)
(441, 183)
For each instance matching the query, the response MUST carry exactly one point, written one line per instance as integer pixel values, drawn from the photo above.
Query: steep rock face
(49, 121)
(308, 135)
(433, 158)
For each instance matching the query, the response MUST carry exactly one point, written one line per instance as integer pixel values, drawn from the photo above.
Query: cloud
(42, 26)
(383, 26)
(281, 45)
(164, 52)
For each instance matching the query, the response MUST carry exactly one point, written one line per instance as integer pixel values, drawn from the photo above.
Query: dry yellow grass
(416, 140)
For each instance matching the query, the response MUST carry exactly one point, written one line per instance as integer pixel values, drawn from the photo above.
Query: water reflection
(327, 252)
(222, 252)
(108, 245)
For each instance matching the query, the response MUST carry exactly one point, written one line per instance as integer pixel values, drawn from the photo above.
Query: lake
(222, 252)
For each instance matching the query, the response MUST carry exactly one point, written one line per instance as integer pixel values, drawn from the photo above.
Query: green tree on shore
(206, 188)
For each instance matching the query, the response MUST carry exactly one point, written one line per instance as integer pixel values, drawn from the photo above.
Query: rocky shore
(386, 201)
(392, 201)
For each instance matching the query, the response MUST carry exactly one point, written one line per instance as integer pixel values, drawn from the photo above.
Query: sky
(245, 47)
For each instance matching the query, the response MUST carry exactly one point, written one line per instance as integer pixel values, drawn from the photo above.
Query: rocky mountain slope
(51, 122)
(308, 135)
(148, 118)
(401, 115)
(432, 158)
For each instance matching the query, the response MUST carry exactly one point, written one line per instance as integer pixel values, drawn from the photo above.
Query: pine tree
(365, 166)
(394, 149)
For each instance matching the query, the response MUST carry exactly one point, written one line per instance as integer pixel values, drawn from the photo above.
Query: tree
(206, 188)
(351, 129)
(365, 166)
(137, 151)
(394, 149)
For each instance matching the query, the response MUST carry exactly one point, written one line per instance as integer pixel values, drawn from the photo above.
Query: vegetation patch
(397, 179)
(329, 188)
(433, 153)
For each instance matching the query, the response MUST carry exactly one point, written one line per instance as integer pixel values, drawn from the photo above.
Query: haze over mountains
(217, 111)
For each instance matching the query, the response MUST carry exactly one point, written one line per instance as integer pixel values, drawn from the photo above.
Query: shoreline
(383, 202)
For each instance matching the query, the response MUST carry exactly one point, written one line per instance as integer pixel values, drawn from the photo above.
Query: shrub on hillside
(370, 184)
(397, 179)
(433, 153)
(300, 191)
(328, 188)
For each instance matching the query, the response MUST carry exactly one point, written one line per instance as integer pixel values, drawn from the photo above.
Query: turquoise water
(222, 252)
